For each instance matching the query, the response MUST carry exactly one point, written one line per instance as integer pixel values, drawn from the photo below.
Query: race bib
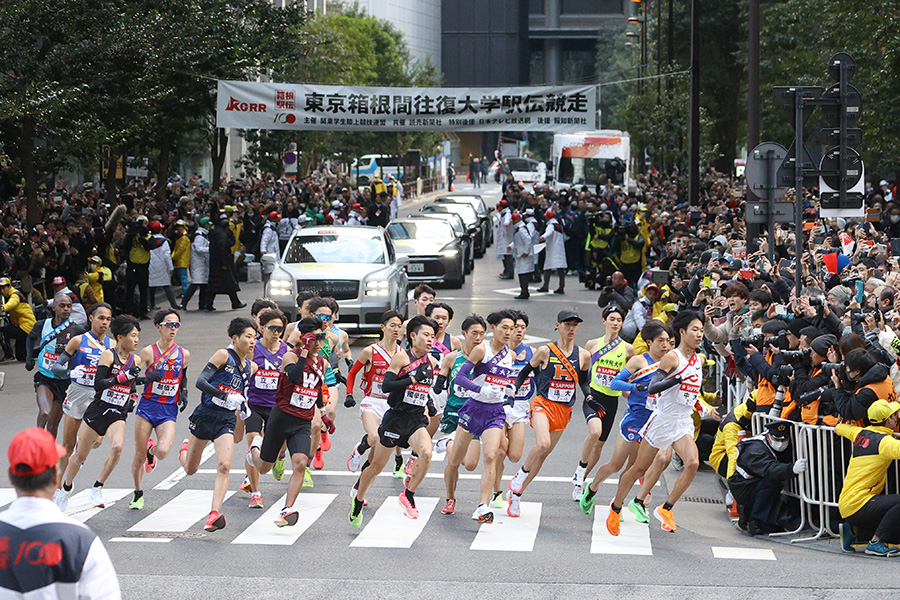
(561, 391)
(375, 391)
(49, 360)
(165, 387)
(86, 376)
(117, 395)
(603, 376)
(417, 394)
(687, 393)
(525, 390)
(304, 397)
(266, 379)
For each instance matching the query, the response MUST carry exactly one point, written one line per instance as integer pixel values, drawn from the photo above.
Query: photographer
(737, 321)
(768, 370)
(862, 381)
(641, 312)
(809, 382)
(616, 290)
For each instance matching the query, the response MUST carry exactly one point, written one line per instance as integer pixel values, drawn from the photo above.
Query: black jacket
(757, 461)
(854, 405)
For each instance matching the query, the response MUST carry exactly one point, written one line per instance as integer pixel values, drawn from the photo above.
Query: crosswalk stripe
(390, 528)
(743, 553)
(508, 533)
(81, 508)
(180, 513)
(172, 480)
(141, 540)
(264, 531)
(633, 538)
(7, 495)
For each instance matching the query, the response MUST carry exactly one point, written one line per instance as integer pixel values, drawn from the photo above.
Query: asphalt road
(552, 551)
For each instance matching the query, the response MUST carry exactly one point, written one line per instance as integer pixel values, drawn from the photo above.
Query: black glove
(432, 409)
(155, 376)
(640, 387)
(348, 362)
(423, 372)
(134, 371)
(339, 377)
(29, 364)
(349, 401)
(129, 405)
(182, 399)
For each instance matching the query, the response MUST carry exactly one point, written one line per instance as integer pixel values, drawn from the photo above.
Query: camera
(817, 301)
(830, 367)
(783, 374)
(757, 340)
(812, 395)
(780, 341)
(790, 355)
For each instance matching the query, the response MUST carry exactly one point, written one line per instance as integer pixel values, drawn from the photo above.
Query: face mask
(778, 445)
(894, 218)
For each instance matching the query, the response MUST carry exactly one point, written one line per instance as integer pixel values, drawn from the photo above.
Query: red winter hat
(516, 217)
(274, 216)
(32, 452)
(550, 214)
(156, 226)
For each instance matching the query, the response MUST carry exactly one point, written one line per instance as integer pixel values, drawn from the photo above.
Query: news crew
(767, 369)
(43, 552)
(862, 381)
(809, 382)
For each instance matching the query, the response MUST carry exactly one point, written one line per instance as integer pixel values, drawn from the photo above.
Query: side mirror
(269, 259)
(491, 209)
(402, 260)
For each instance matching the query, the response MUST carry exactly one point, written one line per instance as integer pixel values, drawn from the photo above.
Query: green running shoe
(278, 469)
(355, 520)
(137, 503)
(639, 511)
(587, 504)
(398, 469)
(497, 500)
(307, 479)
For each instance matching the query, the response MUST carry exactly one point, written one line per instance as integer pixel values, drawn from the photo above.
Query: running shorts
(518, 412)
(376, 406)
(259, 417)
(78, 398)
(557, 413)
(397, 427)
(282, 427)
(450, 417)
(100, 415)
(662, 431)
(57, 387)
(157, 413)
(477, 417)
(603, 407)
(632, 422)
(207, 423)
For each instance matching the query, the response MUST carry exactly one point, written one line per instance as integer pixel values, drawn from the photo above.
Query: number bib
(117, 395)
(603, 376)
(375, 390)
(87, 377)
(417, 394)
(49, 360)
(266, 379)
(687, 393)
(561, 391)
(303, 397)
(166, 387)
(525, 390)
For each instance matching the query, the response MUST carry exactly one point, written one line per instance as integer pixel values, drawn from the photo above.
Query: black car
(459, 227)
(483, 211)
(435, 252)
(469, 217)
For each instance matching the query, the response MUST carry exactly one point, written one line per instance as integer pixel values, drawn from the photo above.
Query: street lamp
(639, 19)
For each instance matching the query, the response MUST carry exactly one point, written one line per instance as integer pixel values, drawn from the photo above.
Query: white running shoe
(95, 495)
(440, 446)
(287, 517)
(578, 482)
(514, 509)
(355, 460)
(61, 498)
(518, 481)
(483, 514)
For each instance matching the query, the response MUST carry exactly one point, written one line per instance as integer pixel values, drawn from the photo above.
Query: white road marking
(508, 533)
(743, 553)
(439, 475)
(532, 291)
(169, 482)
(81, 508)
(139, 539)
(390, 528)
(633, 538)
(180, 513)
(264, 531)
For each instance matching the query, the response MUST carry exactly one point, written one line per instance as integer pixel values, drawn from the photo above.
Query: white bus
(580, 158)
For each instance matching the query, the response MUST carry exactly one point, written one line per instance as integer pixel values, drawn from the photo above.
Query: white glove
(77, 372)
(510, 391)
(235, 401)
(800, 465)
(440, 400)
(245, 411)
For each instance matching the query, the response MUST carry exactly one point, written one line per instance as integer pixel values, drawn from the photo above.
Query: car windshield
(455, 221)
(472, 201)
(521, 164)
(423, 229)
(335, 247)
(463, 210)
(581, 171)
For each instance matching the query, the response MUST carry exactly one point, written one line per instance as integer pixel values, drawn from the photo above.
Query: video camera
(759, 341)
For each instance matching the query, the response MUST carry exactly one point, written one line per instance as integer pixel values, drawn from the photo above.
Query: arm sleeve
(61, 367)
(523, 375)
(98, 577)
(351, 376)
(714, 333)
(393, 383)
(203, 383)
(659, 383)
(763, 368)
(294, 372)
(440, 384)
(584, 381)
(620, 382)
(463, 381)
(182, 391)
(32, 338)
(854, 407)
(102, 381)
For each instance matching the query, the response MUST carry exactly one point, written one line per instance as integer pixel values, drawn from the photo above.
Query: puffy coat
(160, 263)
(200, 257)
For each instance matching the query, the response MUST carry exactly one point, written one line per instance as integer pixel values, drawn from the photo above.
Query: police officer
(762, 466)
(46, 553)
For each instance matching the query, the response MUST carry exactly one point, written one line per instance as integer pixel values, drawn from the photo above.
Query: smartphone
(746, 273)
(780, 311)
(818, 240)
(715, 255)
(860, 289)
(717, 311)
(881, 248)
(785, 263)
(707, 280)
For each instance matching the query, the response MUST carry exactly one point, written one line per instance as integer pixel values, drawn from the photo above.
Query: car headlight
(453, 252)
(280, 287)
(378, 288)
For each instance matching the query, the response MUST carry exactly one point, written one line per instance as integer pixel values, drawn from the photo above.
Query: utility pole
(694, 174)
(753, 76)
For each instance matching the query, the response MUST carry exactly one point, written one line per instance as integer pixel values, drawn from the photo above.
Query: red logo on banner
(284, 118)
(239, 106)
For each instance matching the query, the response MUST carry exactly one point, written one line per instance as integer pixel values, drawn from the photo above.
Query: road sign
(762, 170)
(758, 212)
(786, 169)
(290, 162)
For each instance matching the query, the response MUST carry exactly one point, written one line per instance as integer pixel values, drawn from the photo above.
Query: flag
(846, 243)
(835, 262)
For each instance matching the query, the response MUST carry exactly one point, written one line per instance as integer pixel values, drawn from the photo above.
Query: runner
(50, 337)
(374, 361)
(343, 346)
(513, 443)
(224, 382)
(483, 413)
(302, 299)
(473, 329)
(298, 400)
(268, 354)
(675, 385)
(82, 353)
(423, 295)
(117, 374)
(165, 395)
(634, 379)
(408, 383)
(608, 356)
(559, 367)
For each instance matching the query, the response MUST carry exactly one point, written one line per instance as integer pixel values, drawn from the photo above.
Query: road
(553, 550)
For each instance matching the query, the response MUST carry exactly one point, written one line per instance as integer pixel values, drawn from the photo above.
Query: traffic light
(842, 171)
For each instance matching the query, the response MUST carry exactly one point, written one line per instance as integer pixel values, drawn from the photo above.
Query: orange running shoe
(326, 442)
(318, 462)
(666, 518)
(149, 464)
(612, 521)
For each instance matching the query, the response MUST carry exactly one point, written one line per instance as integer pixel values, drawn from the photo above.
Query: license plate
(416, 268)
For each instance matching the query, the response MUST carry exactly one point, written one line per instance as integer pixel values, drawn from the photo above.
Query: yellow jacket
(874, 448)
(236, 228)
(181, 254)
(725, 446)
(96, 279)
(19, 311)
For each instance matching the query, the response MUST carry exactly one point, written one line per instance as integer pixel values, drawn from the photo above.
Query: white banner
(251, 105)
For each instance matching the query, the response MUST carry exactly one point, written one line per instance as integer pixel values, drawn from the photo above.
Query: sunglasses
(275, 328)
(325, 318)
(171, 324)
(320, 336)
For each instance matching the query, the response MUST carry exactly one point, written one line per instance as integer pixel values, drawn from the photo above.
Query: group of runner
(277, 384)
